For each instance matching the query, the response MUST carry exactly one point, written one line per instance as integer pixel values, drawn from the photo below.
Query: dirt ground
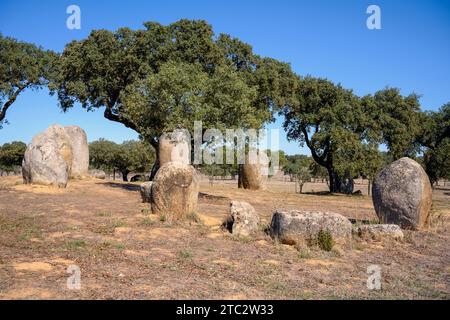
(124, 252)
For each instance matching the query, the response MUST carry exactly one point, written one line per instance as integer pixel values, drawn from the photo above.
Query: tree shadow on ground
(318, 193)
(124, 186)
(214, 198)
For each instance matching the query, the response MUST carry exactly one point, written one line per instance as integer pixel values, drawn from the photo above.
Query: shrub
(325, 240)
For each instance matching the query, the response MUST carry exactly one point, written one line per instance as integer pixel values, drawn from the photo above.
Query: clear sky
(321, 38)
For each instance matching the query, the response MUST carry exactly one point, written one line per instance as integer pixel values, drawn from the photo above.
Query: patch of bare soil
(124, 252)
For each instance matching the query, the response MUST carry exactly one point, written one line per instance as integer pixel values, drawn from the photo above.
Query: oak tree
(22, 66)
(159, 78)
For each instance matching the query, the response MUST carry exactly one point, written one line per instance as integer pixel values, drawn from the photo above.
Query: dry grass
(123, 251)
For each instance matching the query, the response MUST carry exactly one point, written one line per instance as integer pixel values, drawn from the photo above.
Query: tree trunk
(155, 168)
(125, 175)
(240, 182)
(340, 184)
(368, 188)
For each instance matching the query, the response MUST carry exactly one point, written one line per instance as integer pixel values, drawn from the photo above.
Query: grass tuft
(75, 244)
(325, 240)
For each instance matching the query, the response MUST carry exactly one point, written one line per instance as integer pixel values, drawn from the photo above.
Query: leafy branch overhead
(22, 66)
(158, 78)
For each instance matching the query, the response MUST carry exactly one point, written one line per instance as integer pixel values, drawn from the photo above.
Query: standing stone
(302, 227)
(402, 194)
(146, 191)
(243, 220)
(97, 174)
(48, 158)
(174, 147)
(80, 151)
(253, 174)
(175, 191)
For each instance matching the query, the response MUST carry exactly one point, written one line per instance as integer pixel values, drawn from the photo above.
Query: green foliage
(437, 162)
(435, 138)
(184, 254)
(396, 119)
(102, 154)
(181, 93)
(325, 240)
(334, 125)
(145, 222)
(22, 66)
(318, 171)
(298, 168)
(159, 78)
(135, 156)
(282, 158)
(296, 161)
(75, 244)
(11, 155)
(344, 131)
(130, 156)
(218, 170)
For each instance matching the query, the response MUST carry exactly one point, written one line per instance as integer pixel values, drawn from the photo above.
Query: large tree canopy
(396, 120)
(164, 77)
(22, 66)
(334, 125)
(344, 132)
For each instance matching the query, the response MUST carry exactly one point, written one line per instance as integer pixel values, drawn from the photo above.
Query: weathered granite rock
(379, 231)
(98, 174)
(303, 227)
(175, 191)
(174, 147)
(80, 151)
(253, 174)
(48, 158)
(243, 220)
(402, 194)
(146, 191)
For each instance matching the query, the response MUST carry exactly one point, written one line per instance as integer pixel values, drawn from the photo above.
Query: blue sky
(321, 38)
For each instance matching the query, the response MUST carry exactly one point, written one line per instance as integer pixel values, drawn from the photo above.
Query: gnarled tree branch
(11, 100)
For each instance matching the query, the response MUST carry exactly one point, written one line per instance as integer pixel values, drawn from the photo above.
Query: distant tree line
(11, 155)
(129, 156)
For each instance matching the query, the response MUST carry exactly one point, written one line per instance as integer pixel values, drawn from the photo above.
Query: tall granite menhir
(253, 174)
(56, 155)
(173, 193)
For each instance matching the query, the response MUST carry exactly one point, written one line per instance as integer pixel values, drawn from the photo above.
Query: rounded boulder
(48, 158)
(402, 194)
